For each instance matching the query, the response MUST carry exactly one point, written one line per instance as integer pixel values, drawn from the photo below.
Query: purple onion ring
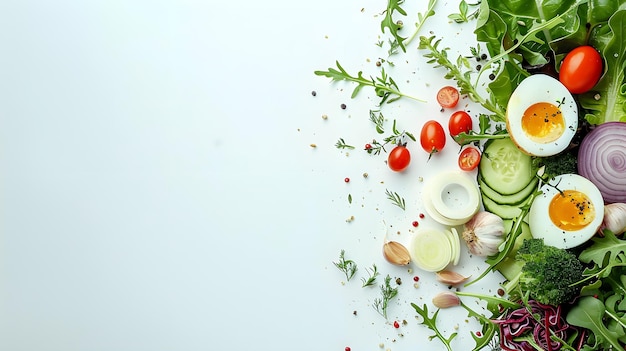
(602, 160)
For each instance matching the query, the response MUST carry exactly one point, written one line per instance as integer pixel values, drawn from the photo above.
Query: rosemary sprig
(348, 267)
(341, 144)
(373, 273)
(387, 293)
(384, 86)
(396, 199)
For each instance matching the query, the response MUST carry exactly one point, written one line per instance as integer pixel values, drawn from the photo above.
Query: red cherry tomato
(448, 97)
(469, 158)
(432, 137)
(399, 158)
(460, 122)
(581, 69)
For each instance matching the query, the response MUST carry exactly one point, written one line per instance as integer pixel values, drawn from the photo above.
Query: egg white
(534, 89)
(541, 226)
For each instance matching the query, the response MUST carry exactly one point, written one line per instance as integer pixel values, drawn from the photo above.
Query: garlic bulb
(614, 218)
(396, 253)
(484, 233)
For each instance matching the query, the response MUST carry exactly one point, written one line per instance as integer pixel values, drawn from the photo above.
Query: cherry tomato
(581, 69)
(399, 158)
(460, 122)
(469, 158)
(448, 97)
(432, 137)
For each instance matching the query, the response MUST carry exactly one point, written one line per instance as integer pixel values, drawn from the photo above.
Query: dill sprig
(387, 293)
(348, 267)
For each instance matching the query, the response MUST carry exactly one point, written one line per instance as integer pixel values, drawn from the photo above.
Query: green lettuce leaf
(607, 101)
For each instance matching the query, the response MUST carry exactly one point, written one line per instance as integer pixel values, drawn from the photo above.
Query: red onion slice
(602, 160)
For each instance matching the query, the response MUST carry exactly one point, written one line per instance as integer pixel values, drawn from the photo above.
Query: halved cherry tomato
(469, 158)
(460, 122)
(432, 137)
(399, 158)
(581, 69)
(448, 96)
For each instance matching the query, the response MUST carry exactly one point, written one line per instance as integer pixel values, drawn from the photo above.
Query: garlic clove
(450, 277)
(446, 299)
(396, 253)
(614, 218)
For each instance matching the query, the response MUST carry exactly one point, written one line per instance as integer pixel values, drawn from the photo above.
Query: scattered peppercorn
(483, 56)
(415, 223)
(396, 324)
(501, 292)
(416, 279)
(314, 93)
(479, 334)
(368, 146)
(343, 106)
(398, 281)
(492, 76)
(348, 348)
(478, 67)
(347, 180)
(422, 215)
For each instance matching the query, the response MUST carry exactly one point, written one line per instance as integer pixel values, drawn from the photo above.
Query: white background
(159, 191)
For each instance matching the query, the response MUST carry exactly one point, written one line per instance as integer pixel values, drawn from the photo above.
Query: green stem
(418, 25)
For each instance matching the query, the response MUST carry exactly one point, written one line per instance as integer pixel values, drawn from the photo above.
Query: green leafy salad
(545, 155)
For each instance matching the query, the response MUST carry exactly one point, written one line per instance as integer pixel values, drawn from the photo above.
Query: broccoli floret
(548, 274)
(565, 162)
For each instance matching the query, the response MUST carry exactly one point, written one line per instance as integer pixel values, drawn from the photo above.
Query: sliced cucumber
(504, 168)
(504, 211)
(513, 199)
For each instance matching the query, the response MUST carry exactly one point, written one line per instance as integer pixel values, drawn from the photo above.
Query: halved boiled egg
(541, 116)
(568, 213)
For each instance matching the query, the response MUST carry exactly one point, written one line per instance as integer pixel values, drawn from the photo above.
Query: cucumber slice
(504, 168)
(504, 211)
(512, 199)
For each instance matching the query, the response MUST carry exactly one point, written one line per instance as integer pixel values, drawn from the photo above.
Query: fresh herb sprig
(348, 267)
(485, 132)
(396, 138)
(464, 16)
(459, 72)
(393, 6)
(384, 86)
(396, 199)
(431, 323)
(341, 144)
(371, 279)
(387, 293)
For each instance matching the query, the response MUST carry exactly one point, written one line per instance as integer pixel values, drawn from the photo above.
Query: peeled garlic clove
(484, 233)
(446, 299)
(450, 277)
(614, 218)
(396, 253)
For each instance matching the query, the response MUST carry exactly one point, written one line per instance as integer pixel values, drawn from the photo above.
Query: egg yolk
(571, 210)
(543, 122)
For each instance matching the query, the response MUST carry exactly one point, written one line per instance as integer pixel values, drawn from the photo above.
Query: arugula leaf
(431, 323)
(389, 23)
(589, 313)
(603, 250)
(607, 101)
